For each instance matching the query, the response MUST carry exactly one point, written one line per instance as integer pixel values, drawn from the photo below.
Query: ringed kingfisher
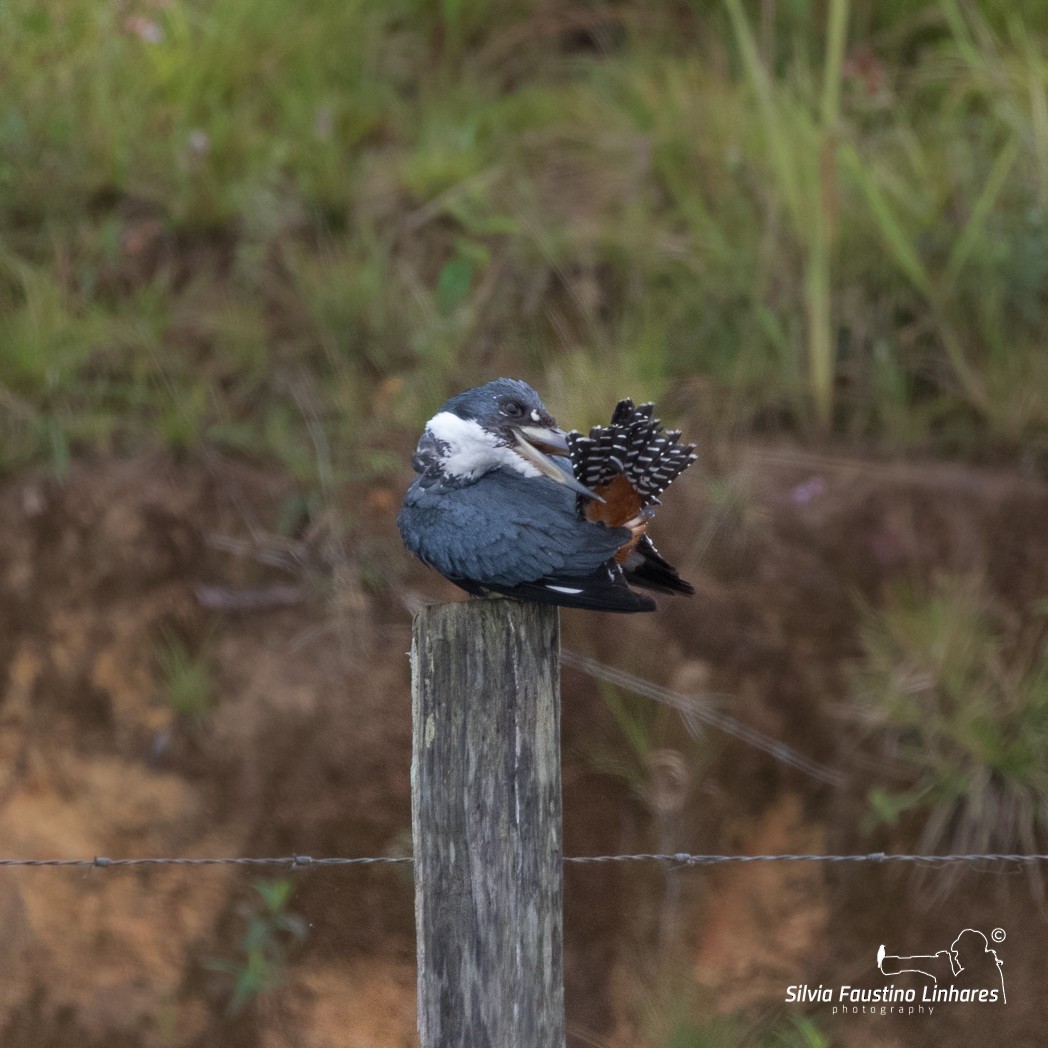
(506, 502)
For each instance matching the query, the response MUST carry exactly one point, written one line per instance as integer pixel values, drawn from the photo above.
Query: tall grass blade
(970, 237)
(890, 229)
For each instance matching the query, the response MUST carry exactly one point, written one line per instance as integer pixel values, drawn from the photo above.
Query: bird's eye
(513, 408)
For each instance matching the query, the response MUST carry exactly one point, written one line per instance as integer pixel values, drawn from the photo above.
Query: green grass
(793, 1032)
(802, 153)
(830, 217)
(186, 680)
(959, 704)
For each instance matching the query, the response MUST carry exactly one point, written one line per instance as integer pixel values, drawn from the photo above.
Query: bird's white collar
(469, 450)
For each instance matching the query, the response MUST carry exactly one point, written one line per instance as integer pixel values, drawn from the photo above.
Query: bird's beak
(549, 439)
(537, 443)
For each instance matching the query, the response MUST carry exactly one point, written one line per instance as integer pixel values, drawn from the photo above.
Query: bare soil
(305, 749)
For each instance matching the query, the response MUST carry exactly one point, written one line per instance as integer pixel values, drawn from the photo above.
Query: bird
(505, 502)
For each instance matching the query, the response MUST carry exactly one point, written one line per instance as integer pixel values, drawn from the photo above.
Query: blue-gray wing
(505, 530)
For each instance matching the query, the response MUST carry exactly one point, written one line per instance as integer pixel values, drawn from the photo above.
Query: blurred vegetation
(185, 679)
(796, 1032)
(270, 931)
(243, 224)
(959, 697)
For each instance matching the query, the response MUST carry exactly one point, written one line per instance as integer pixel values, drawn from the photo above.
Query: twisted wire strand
(678, 859)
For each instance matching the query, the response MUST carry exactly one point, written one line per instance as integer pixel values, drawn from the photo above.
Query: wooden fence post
(486, 823)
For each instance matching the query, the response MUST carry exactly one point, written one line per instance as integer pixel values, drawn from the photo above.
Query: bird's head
(500, 424)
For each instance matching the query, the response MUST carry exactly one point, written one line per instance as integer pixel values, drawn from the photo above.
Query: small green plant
(262, 954)
(798, 1032)
(960, 707)
(636, 720)
(185, 679)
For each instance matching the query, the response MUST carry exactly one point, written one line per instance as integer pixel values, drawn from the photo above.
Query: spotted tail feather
(635, 446)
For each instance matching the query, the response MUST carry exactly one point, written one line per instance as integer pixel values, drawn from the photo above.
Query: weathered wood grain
(486, 821)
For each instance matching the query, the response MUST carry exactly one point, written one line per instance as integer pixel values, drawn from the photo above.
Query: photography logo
(969, 971)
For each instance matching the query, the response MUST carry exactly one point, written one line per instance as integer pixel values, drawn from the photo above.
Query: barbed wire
(291, 861)
(301, 862)
(685, 859)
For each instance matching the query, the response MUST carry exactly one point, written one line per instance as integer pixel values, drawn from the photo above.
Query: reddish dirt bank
(304, 744)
